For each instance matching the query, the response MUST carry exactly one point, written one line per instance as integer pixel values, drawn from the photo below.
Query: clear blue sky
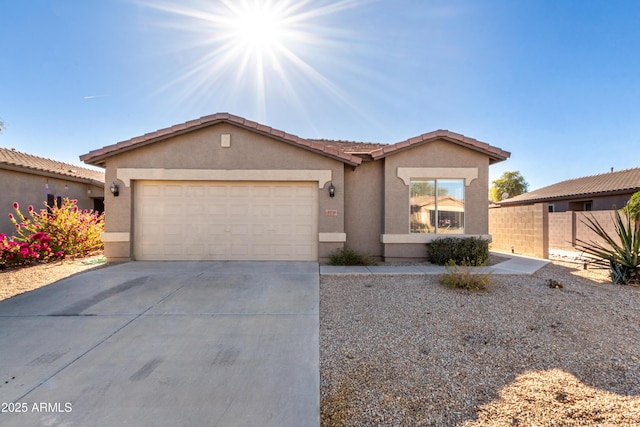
(555, 82)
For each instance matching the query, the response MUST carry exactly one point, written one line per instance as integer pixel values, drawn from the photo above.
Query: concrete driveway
(165, 344)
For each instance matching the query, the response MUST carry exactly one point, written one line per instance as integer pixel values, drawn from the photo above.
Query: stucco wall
(29, 189)
(201, 150)
(364, 207)
(437, 154)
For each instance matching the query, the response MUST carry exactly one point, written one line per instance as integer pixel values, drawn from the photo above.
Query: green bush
(347, 256)
(458, 277)
(71, 231)
(459, 251)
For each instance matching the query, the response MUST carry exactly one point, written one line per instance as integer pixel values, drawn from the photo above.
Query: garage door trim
(321, 176)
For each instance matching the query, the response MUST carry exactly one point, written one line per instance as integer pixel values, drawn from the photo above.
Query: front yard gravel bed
(407, 351)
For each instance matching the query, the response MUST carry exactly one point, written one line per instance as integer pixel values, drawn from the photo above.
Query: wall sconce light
(114, 189)
(332, 190)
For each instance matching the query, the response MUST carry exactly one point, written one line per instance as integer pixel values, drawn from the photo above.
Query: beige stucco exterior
(369, 213)
(364, 207)
(429, 160)
(201, 155)
(30, 187)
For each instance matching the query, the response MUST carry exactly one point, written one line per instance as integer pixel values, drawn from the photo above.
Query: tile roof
(17, 160)
(351, 147)
(495, 154)
(96, 157)
(624, 181)
(345, 151)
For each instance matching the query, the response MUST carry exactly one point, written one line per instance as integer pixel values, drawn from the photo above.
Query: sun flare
(255, 48)
(258, 27)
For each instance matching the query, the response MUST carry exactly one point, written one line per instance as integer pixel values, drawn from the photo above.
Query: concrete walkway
(165, 344)
(516, 264)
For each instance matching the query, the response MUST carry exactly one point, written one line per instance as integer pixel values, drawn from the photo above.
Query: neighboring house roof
(345, 151)
(430, 201)
(624, 181)
(28, 163)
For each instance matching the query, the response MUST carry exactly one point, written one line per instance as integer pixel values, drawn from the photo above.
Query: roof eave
(571, 196)
(98, 157)
(51, 174)
(495, 154)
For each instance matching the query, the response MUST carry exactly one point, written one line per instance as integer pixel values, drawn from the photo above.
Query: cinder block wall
(521, 229)
(561, 230)
(606, 220)
(532, 230)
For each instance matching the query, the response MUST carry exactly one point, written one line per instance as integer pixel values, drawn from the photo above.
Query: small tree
(632, 209)
(510, 184)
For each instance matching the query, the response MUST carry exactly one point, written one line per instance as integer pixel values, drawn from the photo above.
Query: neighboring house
(33, 180)
(225, 188)
(590, 193)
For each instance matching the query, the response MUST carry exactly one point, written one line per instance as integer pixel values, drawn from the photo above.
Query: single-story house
(33, 180)
(225, 188)
(611, 190)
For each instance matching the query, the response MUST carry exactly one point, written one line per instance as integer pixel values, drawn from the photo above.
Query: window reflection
(437, 206)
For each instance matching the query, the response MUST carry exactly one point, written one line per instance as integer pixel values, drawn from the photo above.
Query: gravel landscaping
(407, 351)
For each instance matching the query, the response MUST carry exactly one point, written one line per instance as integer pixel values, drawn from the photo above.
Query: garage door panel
(215, 230)
(262, 250)
(173, 191)
(215, 209)
(217, 250)
(260, 210)
(239, 250)
(261, 192)
(196, 191)
(303, 230)
(225, 220)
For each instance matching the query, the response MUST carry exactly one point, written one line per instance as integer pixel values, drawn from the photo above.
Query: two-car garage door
(202, 220)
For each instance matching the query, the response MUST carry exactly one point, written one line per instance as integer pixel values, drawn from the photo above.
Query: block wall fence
(532, 230)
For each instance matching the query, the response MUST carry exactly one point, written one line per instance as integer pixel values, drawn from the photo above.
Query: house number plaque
(331, 212)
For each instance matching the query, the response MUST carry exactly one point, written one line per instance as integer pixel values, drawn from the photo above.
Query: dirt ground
(16, 281)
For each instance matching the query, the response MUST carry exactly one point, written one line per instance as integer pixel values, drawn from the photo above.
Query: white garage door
(202, 220)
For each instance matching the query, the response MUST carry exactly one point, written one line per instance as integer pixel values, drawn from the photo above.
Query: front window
(437, 206)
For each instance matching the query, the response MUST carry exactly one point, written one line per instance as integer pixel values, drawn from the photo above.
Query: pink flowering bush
(68, 230)
(15, 253)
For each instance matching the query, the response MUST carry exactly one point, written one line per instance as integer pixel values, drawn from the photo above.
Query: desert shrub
(347, 256)
(72, 231)
(619, 252)
(461, 277)
(461, 251)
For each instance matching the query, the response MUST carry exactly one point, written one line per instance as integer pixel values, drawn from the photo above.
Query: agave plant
(621, 253)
